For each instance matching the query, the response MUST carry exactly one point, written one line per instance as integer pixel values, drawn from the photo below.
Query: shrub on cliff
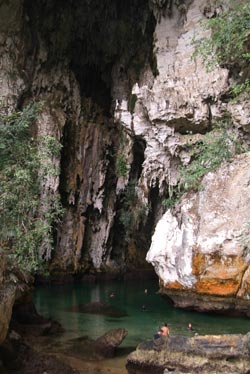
(228, 44)
(26, 221)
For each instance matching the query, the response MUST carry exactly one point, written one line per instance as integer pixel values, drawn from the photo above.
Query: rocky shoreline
(213, 354)
(31, 343)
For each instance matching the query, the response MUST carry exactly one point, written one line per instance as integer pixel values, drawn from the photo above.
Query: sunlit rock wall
(198, 249)
(202, 247)
(182, 98)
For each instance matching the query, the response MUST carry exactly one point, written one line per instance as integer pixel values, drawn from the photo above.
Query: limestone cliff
(199, 249)
(129, 104)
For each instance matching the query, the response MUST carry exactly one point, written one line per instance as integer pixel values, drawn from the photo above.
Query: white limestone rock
(211, 224)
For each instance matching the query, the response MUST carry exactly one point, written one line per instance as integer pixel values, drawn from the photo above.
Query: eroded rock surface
(106, 344)
(197, 250)
(126, 118)
(199, 354)
(201, 248)
(13, 284)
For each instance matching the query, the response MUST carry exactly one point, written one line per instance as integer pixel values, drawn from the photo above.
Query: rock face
(128, 104)
(12, 287)
(106, 344)
(78, 79)
(200, 354)
(201, 249)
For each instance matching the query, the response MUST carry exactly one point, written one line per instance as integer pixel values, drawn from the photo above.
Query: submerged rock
(212, 354)
(88, 349)
(97, 307)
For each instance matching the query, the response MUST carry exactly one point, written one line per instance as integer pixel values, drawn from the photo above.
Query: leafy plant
(173, 196)
(229, 40)
(127, 213)
(26, 217)
(227, 45)
(217, 146)
(121, 166)
(171, 201)
(241, 88)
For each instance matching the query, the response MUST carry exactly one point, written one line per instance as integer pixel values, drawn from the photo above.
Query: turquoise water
(57, 302)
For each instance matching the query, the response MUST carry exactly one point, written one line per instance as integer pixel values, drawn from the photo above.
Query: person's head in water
(190, 327)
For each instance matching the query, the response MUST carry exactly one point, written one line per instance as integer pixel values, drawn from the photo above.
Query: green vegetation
(216, 147)
(219, 145)
(130, 215)
(121, 166)
(241, 88)
(228, 43)
(26, 216)
(174, 195)
(126, 214)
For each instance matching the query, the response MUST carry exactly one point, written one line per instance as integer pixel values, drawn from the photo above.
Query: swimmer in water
(144, 308)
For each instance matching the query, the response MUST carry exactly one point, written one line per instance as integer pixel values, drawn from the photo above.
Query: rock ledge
(213, 354)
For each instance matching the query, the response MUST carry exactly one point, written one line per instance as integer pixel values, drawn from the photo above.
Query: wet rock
(97, 307)
(212, 354)
(27, 321)
(106, 344)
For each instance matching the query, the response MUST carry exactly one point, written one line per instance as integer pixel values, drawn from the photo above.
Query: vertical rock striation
(124, 96)
(200, 248)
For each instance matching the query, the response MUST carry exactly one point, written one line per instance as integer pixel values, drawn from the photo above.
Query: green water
(57, 301)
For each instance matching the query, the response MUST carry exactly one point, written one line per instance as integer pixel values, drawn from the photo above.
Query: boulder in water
(106, 344)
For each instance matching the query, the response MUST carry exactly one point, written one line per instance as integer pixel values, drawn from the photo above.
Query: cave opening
(91, 37)
(103, 44)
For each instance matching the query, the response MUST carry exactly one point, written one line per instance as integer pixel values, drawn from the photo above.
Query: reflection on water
(141, 322)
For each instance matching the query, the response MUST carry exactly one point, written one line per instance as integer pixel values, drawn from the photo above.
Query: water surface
(145, 312)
